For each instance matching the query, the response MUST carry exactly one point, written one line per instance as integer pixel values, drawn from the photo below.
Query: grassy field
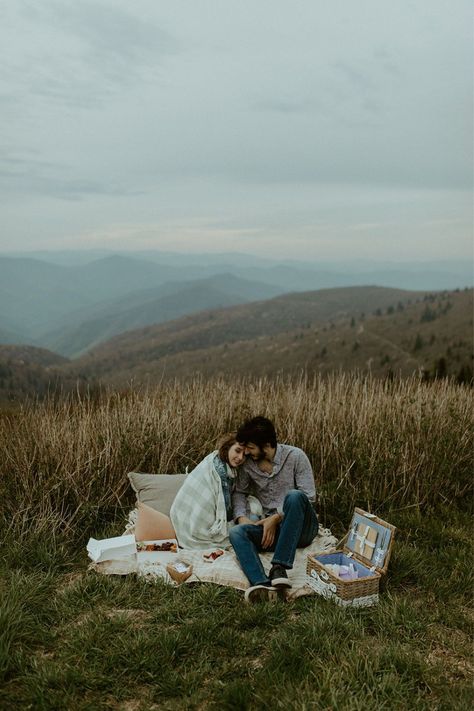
(70, 639)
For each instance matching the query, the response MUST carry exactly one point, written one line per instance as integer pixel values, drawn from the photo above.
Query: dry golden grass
(381, 445)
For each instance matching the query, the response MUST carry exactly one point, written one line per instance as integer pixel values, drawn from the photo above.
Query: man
(280, 476)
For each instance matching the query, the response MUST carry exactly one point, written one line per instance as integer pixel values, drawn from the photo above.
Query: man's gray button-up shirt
(291, 470)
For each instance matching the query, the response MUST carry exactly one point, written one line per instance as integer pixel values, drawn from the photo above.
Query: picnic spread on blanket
(350, 577)
(223, 569)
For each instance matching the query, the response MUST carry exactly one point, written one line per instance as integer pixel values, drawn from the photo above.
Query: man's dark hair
(259, 430)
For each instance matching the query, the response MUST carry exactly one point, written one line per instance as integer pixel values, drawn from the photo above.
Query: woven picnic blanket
(225, 570)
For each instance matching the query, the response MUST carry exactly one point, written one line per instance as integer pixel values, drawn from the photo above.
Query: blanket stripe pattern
(198, 513)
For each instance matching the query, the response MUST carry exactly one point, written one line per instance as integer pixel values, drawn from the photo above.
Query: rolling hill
(85, 328)
(49, 303)
(369, 329)
(9, 337)
(364, 328)
(36, 295)
(27, 371)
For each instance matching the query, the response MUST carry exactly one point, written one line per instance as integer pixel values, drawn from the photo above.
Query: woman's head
(231, 451)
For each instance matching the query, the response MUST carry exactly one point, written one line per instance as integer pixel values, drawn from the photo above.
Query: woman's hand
(269, 529)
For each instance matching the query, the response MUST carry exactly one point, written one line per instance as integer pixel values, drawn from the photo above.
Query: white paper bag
(111, 548)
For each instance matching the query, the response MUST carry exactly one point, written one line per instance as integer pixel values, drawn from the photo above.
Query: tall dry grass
(375, 444)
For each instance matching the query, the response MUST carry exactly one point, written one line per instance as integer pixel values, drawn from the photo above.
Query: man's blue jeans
(297, 530)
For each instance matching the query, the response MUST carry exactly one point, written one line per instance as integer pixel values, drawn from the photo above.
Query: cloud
(80, 54)
(28, 174)
(115, 111)
(178, 236)
(108, 30)
(284, 105)
(357, 78)
(386, 61)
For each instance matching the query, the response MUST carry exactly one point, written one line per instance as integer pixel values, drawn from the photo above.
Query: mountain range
(361, 328)
(69, 317)
(83, 329)
(76, 300)
(386, 332)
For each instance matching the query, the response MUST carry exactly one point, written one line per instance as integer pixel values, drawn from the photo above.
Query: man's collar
(277, 457)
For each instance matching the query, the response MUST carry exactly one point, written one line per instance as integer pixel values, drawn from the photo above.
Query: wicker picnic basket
(367, 546)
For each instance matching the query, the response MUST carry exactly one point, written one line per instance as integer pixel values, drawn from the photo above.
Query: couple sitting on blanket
(216, 494)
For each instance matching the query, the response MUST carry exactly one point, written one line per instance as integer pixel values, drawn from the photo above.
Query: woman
(203, 506)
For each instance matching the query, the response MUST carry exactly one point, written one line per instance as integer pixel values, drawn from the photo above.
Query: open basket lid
(370, 540)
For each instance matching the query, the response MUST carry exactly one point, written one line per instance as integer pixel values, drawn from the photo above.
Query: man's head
(258, 436)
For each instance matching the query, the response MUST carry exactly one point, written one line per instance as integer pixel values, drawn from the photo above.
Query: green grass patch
(77, 640)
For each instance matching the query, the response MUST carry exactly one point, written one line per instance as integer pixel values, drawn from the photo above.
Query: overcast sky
(313, 129)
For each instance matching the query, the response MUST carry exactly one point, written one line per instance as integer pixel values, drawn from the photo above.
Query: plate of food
(211, 556)
(164, 546)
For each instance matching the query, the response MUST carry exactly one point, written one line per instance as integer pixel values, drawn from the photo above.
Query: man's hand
(244, 519)
(269, 529)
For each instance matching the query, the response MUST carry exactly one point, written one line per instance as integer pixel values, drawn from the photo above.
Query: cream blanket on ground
(223, 571)
(198, 513)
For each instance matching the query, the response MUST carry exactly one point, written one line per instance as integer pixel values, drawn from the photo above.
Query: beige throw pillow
(156, 490)
(152, 525)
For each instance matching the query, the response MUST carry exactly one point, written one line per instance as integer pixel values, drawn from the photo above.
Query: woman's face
(236, 454)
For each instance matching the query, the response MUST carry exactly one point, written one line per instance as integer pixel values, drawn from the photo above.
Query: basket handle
(317, 582)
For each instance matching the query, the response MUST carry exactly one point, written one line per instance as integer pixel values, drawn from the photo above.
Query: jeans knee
(238, 532)
(234, 534)
(295, 496)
